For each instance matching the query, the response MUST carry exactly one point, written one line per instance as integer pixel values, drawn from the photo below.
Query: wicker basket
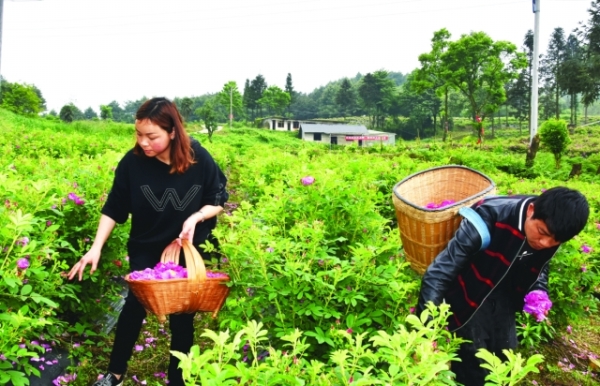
(196, 293)
(425, 232)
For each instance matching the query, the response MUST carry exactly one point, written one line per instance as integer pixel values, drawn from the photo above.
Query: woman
(172, 188)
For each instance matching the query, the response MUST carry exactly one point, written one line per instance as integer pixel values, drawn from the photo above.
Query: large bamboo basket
(196, 293)
(425, 232)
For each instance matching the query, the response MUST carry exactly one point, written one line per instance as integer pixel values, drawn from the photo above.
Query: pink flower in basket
(162, 271)
(433, 205)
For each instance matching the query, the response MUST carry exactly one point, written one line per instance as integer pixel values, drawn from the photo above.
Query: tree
(376, 92)
(555, 136)
(431, 75)
(517, 93)
(528, 48)
(89, 114)
(253, 93)
(185, 107)
(209, 116)
(68, 113)
(118, 114)
(289, 88)
(275, 100)
(591, 37)
(21, 99)
(573, 77)
(552, 62)
(479, 68)
(106, 112)
(231, 94)
(345, 97)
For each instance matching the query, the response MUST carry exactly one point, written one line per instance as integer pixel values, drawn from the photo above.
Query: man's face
(537, 233)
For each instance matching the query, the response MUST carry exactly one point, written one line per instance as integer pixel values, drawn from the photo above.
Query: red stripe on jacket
(462, 284)
(498, 255)
(481, 278)
(510, 229)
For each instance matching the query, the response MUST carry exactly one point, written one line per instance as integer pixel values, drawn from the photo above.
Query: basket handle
(193, 261)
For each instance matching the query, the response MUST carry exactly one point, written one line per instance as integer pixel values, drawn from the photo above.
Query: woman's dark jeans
(129, 326)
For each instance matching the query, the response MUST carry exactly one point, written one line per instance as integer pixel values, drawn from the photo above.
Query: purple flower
(76, 344)
(48, 223)
(569, 329)
(412, 310)
(22, 263)
(598, 225)
(270, 250)
(537, 304)
(583, 268)
(54, 206)
(586, 249)
(139, 347)
(349, 331)
(160, 375)
(2, 357)
(23, 241)
(308, 180)
(161, 271)
(76, 199)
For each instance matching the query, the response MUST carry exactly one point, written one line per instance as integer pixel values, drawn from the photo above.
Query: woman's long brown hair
(164, 113)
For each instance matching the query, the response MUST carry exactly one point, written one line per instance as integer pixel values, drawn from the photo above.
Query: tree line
(472, 76)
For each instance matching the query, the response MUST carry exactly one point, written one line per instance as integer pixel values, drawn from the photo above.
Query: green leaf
(26, 289)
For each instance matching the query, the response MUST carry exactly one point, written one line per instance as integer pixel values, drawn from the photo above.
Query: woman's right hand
(91, 257)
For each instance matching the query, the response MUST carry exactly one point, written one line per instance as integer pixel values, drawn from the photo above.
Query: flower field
(322, 293)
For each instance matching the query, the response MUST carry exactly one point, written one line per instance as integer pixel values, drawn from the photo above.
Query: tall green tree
(376, 93)
(69, 113)
(572, 75)
(258, 86)
(186, 106)
(479, 68)
(231, 95)
(345, 97)
(432, 74)
(551, 64)
(106, 112)
(289, 87)
(517, 94)
(591, 38)
(275, 100)
(89, 114)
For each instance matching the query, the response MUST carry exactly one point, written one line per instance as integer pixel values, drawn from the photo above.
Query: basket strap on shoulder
(476, 220)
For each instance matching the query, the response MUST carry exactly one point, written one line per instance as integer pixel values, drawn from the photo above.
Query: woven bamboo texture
(426, 232)
(196, 293)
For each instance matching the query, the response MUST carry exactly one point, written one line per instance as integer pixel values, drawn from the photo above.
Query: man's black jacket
(464, 277)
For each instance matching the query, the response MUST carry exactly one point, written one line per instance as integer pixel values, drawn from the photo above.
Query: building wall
(275, 124)
(341, 139)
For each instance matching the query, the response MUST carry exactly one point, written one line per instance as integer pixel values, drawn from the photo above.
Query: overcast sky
(90, 52)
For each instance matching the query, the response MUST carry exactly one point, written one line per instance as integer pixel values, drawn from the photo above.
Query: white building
(339, 134)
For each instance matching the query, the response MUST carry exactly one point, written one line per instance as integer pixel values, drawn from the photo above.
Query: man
(486, 288)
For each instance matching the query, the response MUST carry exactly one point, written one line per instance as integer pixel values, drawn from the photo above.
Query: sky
(91, 52)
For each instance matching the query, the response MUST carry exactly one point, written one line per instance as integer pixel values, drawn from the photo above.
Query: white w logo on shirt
(170, 195)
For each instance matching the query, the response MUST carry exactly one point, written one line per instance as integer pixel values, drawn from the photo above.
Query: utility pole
(533, 116)
(230, 106)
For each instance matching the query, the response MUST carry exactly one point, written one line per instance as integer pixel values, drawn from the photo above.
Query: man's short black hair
(564, 211)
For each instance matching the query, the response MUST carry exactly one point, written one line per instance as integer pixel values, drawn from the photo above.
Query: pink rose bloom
(537, 303)
(308, 180)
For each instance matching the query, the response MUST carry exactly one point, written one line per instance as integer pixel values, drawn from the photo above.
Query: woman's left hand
(189, 226)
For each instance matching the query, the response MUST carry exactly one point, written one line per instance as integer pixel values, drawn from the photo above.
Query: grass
(571, 357)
